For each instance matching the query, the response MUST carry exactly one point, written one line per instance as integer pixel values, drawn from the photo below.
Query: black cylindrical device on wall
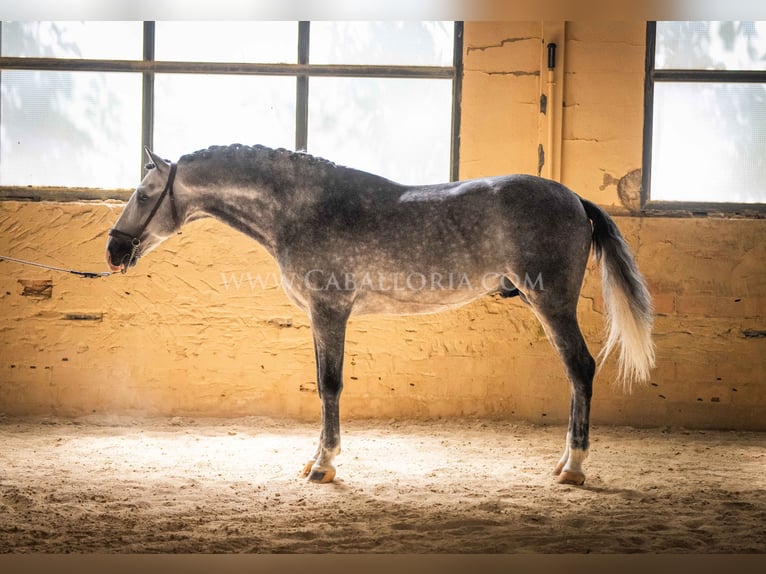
(551, 56)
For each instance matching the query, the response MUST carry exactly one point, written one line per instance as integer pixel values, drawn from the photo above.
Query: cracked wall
(201, 327)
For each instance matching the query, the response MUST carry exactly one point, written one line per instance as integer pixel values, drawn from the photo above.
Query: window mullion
(147, 104)
(457, 90)
(302, 94)
(651, 39)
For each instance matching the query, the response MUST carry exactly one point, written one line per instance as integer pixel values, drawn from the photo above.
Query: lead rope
(87, 274)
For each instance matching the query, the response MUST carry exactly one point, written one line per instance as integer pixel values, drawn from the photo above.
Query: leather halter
(135, 238)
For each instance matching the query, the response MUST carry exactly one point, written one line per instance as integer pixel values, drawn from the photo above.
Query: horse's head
(150, 216)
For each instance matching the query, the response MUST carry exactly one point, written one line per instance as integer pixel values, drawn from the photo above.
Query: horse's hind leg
(580, 367)
(564, 333)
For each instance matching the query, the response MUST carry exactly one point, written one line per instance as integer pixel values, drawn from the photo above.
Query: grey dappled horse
(349, 242)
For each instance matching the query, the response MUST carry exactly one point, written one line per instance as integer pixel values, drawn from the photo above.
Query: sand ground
(124, 485)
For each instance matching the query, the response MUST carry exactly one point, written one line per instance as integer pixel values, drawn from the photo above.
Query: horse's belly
(418, 297)
(413, 293)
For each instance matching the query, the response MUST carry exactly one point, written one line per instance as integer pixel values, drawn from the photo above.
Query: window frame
(303, 70)
(652, 76)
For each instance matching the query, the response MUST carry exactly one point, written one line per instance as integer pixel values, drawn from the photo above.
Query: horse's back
(483, 218)
(515, 195)
(519, 210)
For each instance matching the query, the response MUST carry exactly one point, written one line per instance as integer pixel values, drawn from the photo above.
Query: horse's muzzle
(119, 255)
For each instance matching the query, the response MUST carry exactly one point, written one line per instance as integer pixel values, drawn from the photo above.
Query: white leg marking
(323, 470)
(576, 458)
(569, 468)
(325, 459)
(564, 458)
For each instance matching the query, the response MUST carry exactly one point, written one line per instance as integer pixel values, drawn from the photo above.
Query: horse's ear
(161, 165)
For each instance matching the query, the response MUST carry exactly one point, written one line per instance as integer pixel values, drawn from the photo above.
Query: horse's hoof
(559, 468)
(572, 477)
(307, 468)
(322, 476)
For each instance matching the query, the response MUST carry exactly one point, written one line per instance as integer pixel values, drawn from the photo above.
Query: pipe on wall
(552, 69)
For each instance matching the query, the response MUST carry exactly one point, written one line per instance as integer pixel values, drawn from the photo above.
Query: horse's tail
(627, 301)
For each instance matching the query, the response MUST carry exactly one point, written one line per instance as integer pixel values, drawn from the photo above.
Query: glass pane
(70, 128)
(265, 42)
(382, 43)
(711, 45)
(89, 40)
(709, 142)
(196, 111)
(396, 128)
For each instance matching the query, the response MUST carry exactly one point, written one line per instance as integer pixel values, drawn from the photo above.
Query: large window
(705, 126)
(78, 100)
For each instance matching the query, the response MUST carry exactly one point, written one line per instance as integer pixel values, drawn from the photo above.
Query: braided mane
(255, 153)
(279, 165)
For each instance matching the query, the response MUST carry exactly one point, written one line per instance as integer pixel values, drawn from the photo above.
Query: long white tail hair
(627, 302)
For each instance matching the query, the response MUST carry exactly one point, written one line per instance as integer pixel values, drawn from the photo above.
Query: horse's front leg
(329, 330)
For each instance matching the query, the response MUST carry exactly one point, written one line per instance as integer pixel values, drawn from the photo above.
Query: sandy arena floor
(101, 485)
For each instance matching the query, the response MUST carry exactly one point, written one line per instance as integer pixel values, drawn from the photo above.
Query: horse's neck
(256, 206)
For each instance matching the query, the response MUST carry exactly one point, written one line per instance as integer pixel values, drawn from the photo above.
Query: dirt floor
(100, 485)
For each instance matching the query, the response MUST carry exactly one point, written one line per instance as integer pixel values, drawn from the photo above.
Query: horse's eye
(142, 197)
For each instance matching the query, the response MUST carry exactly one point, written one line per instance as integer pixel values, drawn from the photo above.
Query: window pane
(70, 128)
(264, 42)
(396, 128)
(382, 43)
(196, 111)
(90, 40)
(709, 142)
(711, 45)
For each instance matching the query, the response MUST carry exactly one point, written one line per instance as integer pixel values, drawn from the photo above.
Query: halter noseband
(134, 239)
